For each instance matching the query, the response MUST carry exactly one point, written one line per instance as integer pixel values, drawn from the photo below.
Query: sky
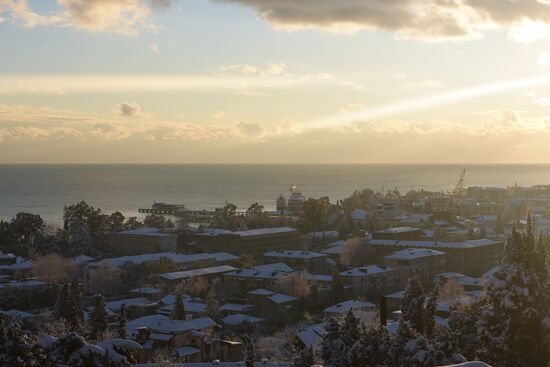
(274, 81)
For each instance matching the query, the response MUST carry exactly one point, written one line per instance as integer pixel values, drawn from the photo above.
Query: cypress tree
(122, 332)
(178, 313)
(212, 305)
(412, 307)
(429, 314)
(98, 317)
(249, 351)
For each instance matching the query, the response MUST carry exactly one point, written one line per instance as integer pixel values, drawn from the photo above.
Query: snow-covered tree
(249, 351)
(332, 346)
(369, 350)
(178, 312)
(98, 318)
(514, 326)
(351, 329)
(304, 358)
(429, 314)
(122, 332)
(412, 307)
(16, 348)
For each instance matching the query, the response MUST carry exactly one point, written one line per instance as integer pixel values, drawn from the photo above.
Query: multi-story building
(371, 280)
(423, 264)
(313, 262)
(398, 233)
(141, 241)
(253, 242)
(471, 258)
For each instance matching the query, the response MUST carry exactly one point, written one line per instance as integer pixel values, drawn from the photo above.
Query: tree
(98, 318)
(314, 215)
(53, 268)
(332, 348)
(249, 351)
(369, 349)
(16, 348)
(122, 332)
(212, 305)
(412, 307)
(429, 314)
(304, 358)
(337, 287)
(513, 329)
(27, 228)
(132, 223)
(226, 217)
(178, 313)
(60, 309)
(256, 217)
(295, 284)
(116, 222)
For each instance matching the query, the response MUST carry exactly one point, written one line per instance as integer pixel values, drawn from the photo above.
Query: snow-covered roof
(359, 214)
(178, 275)
(434, 244)
(17, 314)
(144, 232)
(261, 292)
(460, 279)
(146, 290)
(312, 335)
(234, 307)
(163, 324)
(414, 253)
(175, 257)
(187, 350)
(318, 277)
(282, 298)
(399, 230)
(239, 318)
(129, 302)
(23, 283)
(265, 231)
(225, 256)
(82, 259)
(366, 271)
(267, 271)
(334, 250)
(343, 307)
(294, 254)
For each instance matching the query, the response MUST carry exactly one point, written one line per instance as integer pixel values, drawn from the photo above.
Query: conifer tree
(412, 307)
(178, 313)
(74, 309)
(513, 328)
(351, 329)
(60, 308)
(249, 351)
(369, 350)
(98, 318)
(332, 346)
(304, 358)
(122, 332)
(429, 314)
(337, 287)
(212, 305)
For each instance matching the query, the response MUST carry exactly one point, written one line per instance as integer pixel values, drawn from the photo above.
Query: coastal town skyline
(247, 81)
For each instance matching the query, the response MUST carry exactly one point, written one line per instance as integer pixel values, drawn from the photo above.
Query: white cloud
(118, 16)
(542, 102)
(154, 47)
(219, 115)
(544, 59)
(128, 109)
(251, 129)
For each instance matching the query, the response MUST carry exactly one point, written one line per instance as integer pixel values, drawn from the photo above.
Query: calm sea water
(45, 189)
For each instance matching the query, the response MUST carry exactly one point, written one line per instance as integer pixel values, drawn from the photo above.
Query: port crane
(459, 188)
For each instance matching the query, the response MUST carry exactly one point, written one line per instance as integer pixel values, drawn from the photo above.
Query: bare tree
(295, 284)
(53, 268)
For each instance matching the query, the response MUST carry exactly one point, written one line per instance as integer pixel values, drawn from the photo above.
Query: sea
(46, 189)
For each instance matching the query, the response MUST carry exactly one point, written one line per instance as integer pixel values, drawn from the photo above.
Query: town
(376, 279)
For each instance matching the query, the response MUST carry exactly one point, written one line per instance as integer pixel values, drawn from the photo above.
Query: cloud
(252, 129)
(544, 59)
(219, 115)
(542, 102)
(154, 47)
(118, 16)
(429, 20)
(128, 109)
